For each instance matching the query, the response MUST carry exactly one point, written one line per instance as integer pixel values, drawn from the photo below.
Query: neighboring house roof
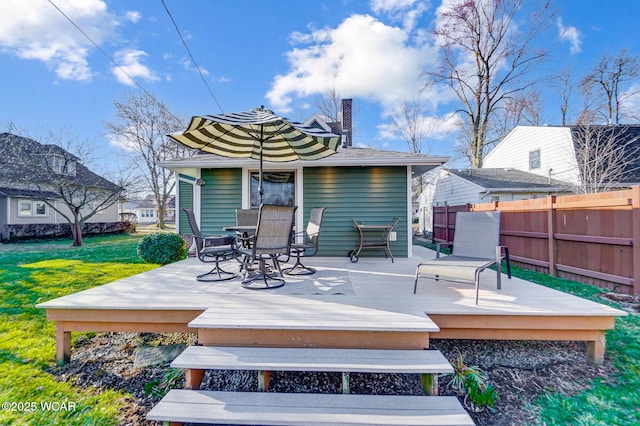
(511, 180)
(26, 193)
(345, 157)
(15, 149)
(622, 134)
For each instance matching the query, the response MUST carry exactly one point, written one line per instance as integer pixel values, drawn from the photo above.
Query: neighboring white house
(530, 162)
(146, 210)
(551, 151)
(461, 186)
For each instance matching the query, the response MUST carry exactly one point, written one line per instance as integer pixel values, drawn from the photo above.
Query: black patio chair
(212, 248)
(271, 240)
(309, 246)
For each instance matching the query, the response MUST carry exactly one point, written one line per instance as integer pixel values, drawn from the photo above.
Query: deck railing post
(551, 231)
(635, 229)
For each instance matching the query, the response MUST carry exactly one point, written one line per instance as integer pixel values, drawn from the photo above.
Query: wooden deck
(382, 310)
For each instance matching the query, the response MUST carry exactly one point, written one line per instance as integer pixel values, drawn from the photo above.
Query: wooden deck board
(305, 359)
(308, 409)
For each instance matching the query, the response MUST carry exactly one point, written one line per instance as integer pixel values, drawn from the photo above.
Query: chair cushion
(455, 267)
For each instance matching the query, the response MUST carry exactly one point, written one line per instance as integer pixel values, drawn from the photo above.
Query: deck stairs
(265, 342)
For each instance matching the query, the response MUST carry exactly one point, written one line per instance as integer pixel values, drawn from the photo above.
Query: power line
(191, 56)
(102, 51)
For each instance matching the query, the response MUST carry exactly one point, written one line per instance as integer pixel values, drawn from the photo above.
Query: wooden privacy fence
(592, 238)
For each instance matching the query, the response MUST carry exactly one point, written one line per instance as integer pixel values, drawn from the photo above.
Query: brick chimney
(347, 121)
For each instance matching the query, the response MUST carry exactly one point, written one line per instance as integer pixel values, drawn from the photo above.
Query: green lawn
(33, 273)
(613, 402)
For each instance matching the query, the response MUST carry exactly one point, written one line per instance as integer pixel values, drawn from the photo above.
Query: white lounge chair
(476, 246)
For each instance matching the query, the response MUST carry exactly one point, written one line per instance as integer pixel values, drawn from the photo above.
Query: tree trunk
(161, 217)
(76, 230)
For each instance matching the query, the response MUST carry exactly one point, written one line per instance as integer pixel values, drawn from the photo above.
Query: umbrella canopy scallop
(259, 134)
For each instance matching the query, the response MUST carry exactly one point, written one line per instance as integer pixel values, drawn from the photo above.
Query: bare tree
(523, 108)
(604, 84)
(564, 84)
(141, 127)
(409, 121)
(59, 178)
(485, 60)
(330, 104)
(606, 156)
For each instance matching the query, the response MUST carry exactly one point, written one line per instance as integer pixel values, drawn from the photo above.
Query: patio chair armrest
(439, 245)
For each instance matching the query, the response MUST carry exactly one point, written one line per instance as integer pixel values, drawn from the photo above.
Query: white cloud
(570, 34)
(432, 127)
(188, 65)
(130, 67)
(133, 16)
(406, 11)
(362, 57)
(34, 29)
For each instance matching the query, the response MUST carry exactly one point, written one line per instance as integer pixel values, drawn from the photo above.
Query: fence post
(551, 231)
(635, 229)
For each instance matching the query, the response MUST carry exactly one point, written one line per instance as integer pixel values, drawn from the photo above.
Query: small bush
(162, 248)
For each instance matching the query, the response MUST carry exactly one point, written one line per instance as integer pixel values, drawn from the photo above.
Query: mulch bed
(521, 371)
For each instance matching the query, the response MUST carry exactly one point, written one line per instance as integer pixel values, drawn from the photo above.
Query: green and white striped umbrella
(258, 134)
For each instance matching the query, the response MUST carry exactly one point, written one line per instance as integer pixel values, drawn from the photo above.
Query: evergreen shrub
(162, 248)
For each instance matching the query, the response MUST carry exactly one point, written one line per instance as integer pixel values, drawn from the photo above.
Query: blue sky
(279, 53)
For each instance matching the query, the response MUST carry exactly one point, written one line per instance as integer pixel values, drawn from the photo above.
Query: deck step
(280, 323)
(313, 359)
(242, 408)
(427, 363)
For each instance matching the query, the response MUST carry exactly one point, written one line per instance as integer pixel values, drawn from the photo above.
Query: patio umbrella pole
(260, 189)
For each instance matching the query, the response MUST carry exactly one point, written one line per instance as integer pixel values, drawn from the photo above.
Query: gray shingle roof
(14, 150)
(509, 179)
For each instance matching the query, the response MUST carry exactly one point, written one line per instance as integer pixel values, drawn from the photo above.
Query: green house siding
(185, 197)
(221, 195)
(372, 195)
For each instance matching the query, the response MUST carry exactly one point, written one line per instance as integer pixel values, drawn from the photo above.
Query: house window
(30, 208)
(534, 159)
(279, 188)
(64, 165)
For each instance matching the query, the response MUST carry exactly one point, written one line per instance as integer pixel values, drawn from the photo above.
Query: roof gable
(14, 150)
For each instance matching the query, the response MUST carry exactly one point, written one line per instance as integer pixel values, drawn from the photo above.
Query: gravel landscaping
(520, 372)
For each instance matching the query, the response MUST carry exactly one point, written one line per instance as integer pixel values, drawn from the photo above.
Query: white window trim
(33, 204)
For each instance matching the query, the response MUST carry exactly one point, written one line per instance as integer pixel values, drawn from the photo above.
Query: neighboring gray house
(21, 199)
(461, 186)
